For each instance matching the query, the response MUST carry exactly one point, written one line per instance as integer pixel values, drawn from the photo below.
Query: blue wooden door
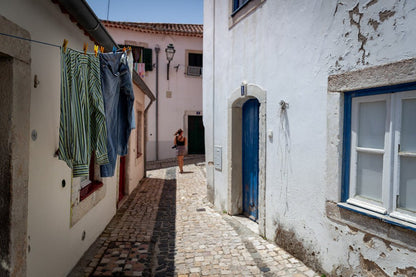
(250, 158)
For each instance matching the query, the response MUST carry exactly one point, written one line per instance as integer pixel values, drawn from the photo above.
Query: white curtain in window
(372, 122)
(407, 186)
(369, 175)
(371, 133)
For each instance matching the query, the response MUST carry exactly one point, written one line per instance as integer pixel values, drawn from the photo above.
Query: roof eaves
(195, 30)
(81, 13)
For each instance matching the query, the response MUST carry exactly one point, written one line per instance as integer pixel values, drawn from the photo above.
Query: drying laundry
(141, 69)
(82, 124)
(118, 96)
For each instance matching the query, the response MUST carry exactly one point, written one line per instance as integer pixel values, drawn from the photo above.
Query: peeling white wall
(289, 48)
(186, 90)
(55, 247)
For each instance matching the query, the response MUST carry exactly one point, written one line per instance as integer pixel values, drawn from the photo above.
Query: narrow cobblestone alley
(168, 228)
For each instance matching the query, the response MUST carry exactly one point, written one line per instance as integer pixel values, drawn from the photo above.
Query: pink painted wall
(186, 91)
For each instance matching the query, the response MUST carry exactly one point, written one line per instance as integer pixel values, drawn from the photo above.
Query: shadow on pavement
(140, 239)
(189, 159)
(187, 172)
(162, 246)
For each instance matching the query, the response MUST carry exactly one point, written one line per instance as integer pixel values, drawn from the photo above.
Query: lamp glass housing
(170, 52)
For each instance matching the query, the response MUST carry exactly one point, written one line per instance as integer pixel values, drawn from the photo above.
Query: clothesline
(32, 40)
(40, 42)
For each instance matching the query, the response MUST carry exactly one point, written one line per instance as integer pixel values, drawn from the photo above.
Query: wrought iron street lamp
(170, 52)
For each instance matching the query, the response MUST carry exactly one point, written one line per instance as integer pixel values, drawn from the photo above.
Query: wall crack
(355, 20)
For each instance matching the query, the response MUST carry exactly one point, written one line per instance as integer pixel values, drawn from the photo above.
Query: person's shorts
(180, 150)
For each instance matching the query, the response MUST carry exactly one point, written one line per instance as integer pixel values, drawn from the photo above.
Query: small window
(238, 4)
(239, 9)
(380, 142)
(194, 63)
(141, 55)
(89, 183)
(139, 134)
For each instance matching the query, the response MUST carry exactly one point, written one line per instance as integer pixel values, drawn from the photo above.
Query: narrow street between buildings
(168, 228)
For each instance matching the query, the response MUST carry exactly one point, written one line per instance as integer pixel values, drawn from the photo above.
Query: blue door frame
(250, 157)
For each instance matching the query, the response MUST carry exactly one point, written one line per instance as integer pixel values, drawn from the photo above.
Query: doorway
(255, 96)
(122, 178)
(196, 135)
(15, 93)
(250, 158)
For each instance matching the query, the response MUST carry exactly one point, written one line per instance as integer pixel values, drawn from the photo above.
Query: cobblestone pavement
(167, 228)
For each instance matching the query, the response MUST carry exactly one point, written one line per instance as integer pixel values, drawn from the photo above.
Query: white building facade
(179, 97)
(48, 221)
(308, 109)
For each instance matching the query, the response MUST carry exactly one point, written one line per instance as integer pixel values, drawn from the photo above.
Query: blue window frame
(238, 4)
(379, 153)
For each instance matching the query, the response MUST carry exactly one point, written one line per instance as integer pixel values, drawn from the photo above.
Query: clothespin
(124, 49)
(96, 50)
(85, 47)
(102, 49)
(129, 48)
(65, 44)
(114, 49)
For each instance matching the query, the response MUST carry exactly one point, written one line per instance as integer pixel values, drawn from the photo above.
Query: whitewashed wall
(186, 90)
(289, 48)
(135, 164)
(55, 247)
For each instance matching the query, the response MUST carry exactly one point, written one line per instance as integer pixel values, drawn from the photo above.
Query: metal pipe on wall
(157, 50)
(213, 100)
(212, 168)
(145, 135)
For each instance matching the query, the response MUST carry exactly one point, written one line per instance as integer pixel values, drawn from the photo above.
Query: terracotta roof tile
(192, 30)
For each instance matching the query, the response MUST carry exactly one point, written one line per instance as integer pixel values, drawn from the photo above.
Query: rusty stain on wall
(374, 23)
(287, 239)
(336, 8)
(353, 13)
(355, 20)
(384, 15)
(356, 15)
(353, 230)
(369, 4)
(408, 271)
(370, 268)
(368, 240)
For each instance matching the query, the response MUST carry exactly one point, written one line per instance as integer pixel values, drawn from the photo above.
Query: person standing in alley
(180, 143)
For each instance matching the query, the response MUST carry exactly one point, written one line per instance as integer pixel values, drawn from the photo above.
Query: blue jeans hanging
(118, 103)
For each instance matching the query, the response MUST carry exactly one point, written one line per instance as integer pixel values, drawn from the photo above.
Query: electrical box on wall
(218, 157)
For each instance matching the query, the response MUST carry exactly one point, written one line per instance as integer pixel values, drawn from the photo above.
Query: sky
(155, 11)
